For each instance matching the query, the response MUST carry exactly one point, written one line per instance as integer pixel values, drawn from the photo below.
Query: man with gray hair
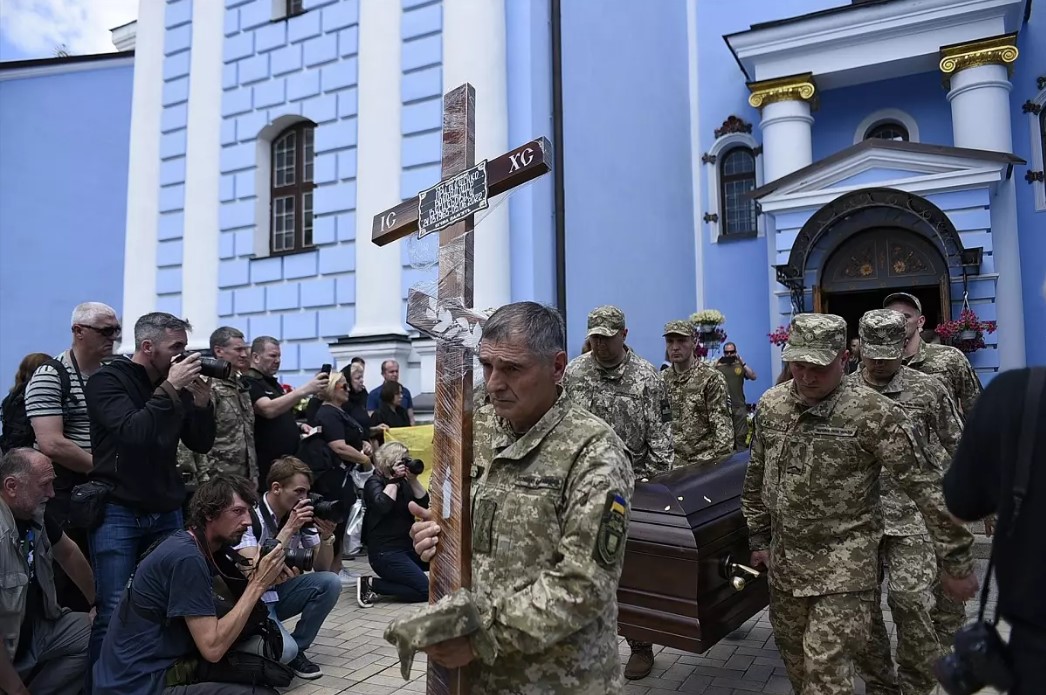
(233, 451)
(57, 409)
(551, 491)
(140, 408)
(43, 647)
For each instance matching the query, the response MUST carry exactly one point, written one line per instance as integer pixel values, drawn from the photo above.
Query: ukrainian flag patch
(610, 538)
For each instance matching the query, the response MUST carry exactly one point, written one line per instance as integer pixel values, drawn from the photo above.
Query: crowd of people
(137, 488)
(169, 509)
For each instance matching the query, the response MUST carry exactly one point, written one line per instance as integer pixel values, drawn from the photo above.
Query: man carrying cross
(551, 491)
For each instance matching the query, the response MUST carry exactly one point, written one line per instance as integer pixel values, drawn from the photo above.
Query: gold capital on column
(790, 88)
(995, 50)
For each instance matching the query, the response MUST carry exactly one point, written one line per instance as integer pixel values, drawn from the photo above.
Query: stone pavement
(355, 658)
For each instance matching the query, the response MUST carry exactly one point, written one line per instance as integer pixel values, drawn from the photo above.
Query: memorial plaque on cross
(449, 208)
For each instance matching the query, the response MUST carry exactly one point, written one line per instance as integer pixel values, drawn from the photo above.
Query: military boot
(640, 663)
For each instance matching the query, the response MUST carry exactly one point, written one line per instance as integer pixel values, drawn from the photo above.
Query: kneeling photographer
(168, 628)
(386, 528)
(287, 516)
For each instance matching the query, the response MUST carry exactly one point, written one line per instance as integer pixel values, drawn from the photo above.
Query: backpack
(17, 429)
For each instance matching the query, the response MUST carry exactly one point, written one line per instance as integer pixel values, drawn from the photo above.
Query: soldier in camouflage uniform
(702, 426)
(906, 547)
(233, 451)
(622, 388)
(550, 509)
(811, 501)
(951, 366)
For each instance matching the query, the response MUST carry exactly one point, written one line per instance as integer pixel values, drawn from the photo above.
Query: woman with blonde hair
(386, 528)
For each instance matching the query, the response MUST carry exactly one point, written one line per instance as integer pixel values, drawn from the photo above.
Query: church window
(736, 179)
(292, 189)
(294, 7)
(887, 131)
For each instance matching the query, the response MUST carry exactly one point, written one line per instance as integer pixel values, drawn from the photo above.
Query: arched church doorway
(873, 263)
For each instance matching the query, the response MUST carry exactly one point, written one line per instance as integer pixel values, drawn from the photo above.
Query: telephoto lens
(295, 558)
(213, 367)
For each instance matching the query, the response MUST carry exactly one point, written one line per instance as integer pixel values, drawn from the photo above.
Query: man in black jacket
(140, 408)
(979, 483)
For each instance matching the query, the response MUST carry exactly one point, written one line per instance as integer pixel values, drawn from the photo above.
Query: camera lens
(415, 466)
(326, 509)
(295, 558)
(213, 367)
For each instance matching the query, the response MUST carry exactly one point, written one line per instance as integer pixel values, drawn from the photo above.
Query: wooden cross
(449, 208)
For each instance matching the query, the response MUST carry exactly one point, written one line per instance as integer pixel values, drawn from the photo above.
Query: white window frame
(712, 158)
(1038, 157)
(263, 181)
(887, 116)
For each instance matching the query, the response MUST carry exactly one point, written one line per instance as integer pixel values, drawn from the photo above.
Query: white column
(787, 128)
(474, 28)
(980, 99)
(378, 269)
(143, 173)
(980, 96)
(695, 146)
(202, 153)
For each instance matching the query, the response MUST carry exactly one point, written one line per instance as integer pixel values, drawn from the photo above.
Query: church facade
(754, 158)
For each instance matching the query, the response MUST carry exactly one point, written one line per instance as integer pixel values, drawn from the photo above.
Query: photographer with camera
(139, 408)
(289, 517)
(167, 613)
(386, 528)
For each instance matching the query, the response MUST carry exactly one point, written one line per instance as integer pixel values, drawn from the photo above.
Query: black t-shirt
(980, 481)
(337, 424)
(274, 437)
(34, 605)
(387, 522)
(393, 416)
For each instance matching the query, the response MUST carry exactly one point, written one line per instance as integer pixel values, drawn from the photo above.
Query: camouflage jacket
(630, 398)
(953, 368)
(233, 450)
(811, 492)
(550, 512)
(702, 425)
(936, 421)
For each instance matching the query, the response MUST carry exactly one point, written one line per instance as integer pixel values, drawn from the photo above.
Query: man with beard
(233, 450)
(906, 546)
(167, 611)
(43, 647)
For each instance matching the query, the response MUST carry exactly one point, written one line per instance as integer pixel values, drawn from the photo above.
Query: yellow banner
(419, 441)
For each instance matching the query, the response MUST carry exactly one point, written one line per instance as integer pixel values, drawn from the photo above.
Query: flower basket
(966, 332)
(779, 337)
(707, 320)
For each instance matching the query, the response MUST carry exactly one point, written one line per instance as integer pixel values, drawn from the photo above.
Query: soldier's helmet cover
(815, 338)
(882, 333)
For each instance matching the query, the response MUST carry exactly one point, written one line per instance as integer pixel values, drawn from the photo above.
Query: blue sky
(35, 28)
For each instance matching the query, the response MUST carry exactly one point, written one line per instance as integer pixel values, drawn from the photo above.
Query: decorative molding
(996, 50)
(792, 88)
(1033, 176)
(708, 158)
(757, 150)
(733, 124)
(1031, 107)
(719, 148)
(1040, 81)
(886, 116)
(711, 217)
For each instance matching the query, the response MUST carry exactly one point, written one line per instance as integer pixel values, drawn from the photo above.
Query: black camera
(415, 466)
(300, 558)
(728, 359)
(214, 367)
(326, 509)
(980, 660)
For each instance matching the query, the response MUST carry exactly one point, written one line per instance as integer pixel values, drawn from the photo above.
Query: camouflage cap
(909, 299)
(882, 334)
(679, 327)
(815, 338)
(606, 321)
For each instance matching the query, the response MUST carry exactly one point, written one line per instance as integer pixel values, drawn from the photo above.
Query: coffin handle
(735, 571)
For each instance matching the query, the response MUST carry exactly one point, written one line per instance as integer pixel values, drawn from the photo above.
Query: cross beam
(512, 169)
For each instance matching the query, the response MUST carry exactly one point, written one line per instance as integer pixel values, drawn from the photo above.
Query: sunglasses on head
(107, 331)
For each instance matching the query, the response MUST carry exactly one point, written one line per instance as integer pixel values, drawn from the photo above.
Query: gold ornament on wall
(791, 88)
(997, 50)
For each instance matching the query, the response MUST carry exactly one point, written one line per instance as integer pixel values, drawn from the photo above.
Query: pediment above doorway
(907, 166)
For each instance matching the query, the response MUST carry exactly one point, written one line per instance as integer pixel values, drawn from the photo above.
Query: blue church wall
(300, 67)
(421, 94)
(842, 110)
(629, 180)
(53, 129)
(177, 53)
(531, 214)
(1032, 224)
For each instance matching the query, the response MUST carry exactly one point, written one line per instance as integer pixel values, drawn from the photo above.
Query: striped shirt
(43, 398)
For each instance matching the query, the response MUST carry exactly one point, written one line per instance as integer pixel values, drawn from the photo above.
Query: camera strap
(1021, 471)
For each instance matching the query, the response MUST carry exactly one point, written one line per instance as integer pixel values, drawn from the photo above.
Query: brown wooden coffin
(679, 586)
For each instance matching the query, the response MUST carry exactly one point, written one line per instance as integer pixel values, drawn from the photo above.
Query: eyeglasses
(729, 352)
(106, 331)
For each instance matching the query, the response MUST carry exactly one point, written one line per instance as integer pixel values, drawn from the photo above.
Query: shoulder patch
(610, 538)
